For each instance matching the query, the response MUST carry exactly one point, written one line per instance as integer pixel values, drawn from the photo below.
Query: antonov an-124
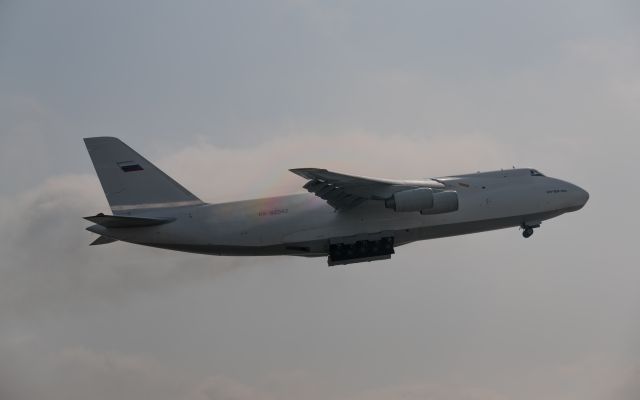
(346, 218)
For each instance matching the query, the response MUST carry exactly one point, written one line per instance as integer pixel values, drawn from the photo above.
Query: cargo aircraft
(346, 218)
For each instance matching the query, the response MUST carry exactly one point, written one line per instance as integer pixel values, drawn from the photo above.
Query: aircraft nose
(582, 196)
(585, 196)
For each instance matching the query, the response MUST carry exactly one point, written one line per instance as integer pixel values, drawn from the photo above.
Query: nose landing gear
(527, 229)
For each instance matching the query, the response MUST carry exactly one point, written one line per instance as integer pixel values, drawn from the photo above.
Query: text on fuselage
(275, 211)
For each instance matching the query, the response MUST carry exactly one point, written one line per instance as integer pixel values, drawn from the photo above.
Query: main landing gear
(527, 229)
(360, 251)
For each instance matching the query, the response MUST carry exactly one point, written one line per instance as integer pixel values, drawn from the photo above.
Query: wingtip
(102, 240)
(301, 172)
(89, 218)
(304, 172)
(298, 171)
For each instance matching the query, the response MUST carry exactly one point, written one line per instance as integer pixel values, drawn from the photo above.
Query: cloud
(221, 388)
(419, 391)
(47, 264)
(77, 373)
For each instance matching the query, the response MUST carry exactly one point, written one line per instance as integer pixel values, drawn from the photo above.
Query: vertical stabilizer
(130, 182)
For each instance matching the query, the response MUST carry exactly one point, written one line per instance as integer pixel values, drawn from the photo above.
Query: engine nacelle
(443, 202)
(411, 200)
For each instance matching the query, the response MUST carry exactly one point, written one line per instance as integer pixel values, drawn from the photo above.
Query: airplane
(346, 218)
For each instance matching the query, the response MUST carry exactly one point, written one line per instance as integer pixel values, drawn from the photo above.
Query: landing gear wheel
(527, 232)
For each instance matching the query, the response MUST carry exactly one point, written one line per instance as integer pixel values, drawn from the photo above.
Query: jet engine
(411, 200)
(443, 202)
(424, 200)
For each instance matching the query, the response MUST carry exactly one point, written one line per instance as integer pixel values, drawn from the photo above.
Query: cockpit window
(534, 172)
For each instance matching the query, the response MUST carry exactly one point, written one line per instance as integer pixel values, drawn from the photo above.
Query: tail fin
(130, 182)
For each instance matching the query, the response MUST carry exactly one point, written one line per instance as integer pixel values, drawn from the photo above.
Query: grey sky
(225, 96)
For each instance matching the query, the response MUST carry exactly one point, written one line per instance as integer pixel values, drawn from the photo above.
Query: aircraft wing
(344, 191)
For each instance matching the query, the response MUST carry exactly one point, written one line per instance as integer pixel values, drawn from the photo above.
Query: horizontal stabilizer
(102, 240)
(119, 221)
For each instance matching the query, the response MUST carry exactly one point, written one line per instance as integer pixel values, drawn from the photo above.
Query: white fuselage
(303, 224)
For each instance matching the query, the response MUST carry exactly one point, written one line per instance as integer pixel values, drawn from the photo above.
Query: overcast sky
(225, 96)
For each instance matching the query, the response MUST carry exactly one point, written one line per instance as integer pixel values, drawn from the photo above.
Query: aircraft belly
(312, 222)
(318, 244)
